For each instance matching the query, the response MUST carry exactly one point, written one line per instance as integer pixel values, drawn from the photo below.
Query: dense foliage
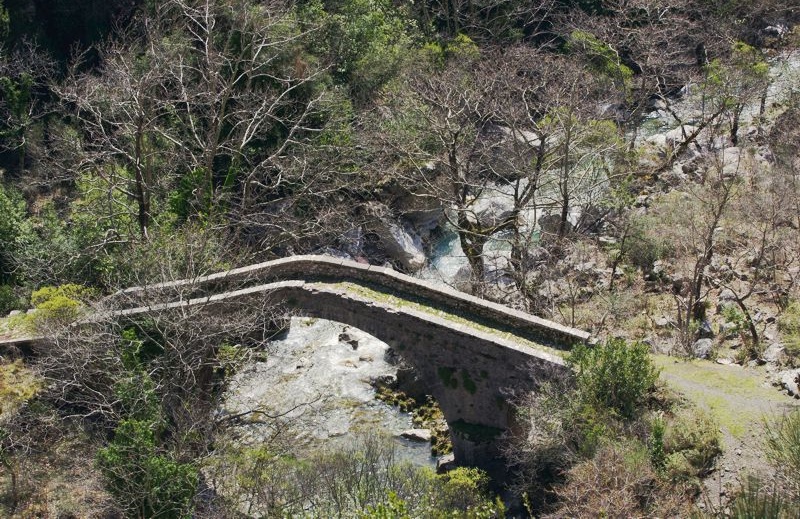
(615, 375)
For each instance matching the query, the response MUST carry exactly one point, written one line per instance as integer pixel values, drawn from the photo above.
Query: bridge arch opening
(317, 379)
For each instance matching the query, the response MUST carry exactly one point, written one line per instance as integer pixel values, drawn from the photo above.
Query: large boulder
(398, 241)
(702, 348)
(672, 138)
(790, 381)
(417, 435)
(424, 221)
(521, 136)
(492, 211)
(445, 463)
(404, 245)
(550, 223)
(775, 353)
(679, 134)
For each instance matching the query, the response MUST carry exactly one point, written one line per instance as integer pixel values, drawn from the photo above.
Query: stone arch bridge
(469, 353)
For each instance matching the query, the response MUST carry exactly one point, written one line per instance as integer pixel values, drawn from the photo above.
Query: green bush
(783, 447)
(600, 56)
(691, 443)
(614, 376)
(394, 508)
(14, 231)
(70, 291)
(463, 488)
(364, 479)
(57, 306)
(658, 454)
(789, 326)
(645, 244)
(143, 481)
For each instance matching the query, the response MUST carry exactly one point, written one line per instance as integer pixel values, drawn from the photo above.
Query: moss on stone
(396, 398)
(446, 374)
(429, 416)
(399, 302)
(469, 384)
(17, 385)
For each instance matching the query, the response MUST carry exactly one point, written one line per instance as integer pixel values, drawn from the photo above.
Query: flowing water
(316, 378)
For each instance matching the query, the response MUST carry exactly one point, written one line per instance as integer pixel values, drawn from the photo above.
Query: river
(317, 377)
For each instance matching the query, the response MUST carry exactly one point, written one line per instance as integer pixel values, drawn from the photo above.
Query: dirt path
(739, 399)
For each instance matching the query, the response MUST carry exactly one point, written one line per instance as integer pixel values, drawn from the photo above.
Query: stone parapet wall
(387, 279)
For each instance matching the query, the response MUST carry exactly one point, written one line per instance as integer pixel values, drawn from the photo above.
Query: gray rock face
(775, 353)
(417, 435)
(727, 299)
(663, 321)
(550, 223)
(730, 162)
(445, 463)
(775, 31)
(402, 244)
(491, 212)
(671, 138)
(348, 338)
(656, 104)
(705, 331)
(701, 349)
(790, 381)
(424, 221)
(388, 380)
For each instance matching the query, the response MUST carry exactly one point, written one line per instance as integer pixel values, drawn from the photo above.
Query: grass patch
(5, 326)
(13, 327)
(17, 385)
(736, 398)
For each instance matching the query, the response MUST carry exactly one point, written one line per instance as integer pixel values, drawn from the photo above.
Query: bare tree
(500, 137)
(24, 74)
(446, 128)
(241, 90)
(690, 221)
(488, 20)
(153, 376)
(126, 141)
(211, 102)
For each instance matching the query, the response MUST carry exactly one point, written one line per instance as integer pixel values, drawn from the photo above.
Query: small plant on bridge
(55, 307)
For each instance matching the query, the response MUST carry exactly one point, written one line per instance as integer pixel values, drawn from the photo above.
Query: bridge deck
(379, 280)
(377, 284)
(506, 333)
